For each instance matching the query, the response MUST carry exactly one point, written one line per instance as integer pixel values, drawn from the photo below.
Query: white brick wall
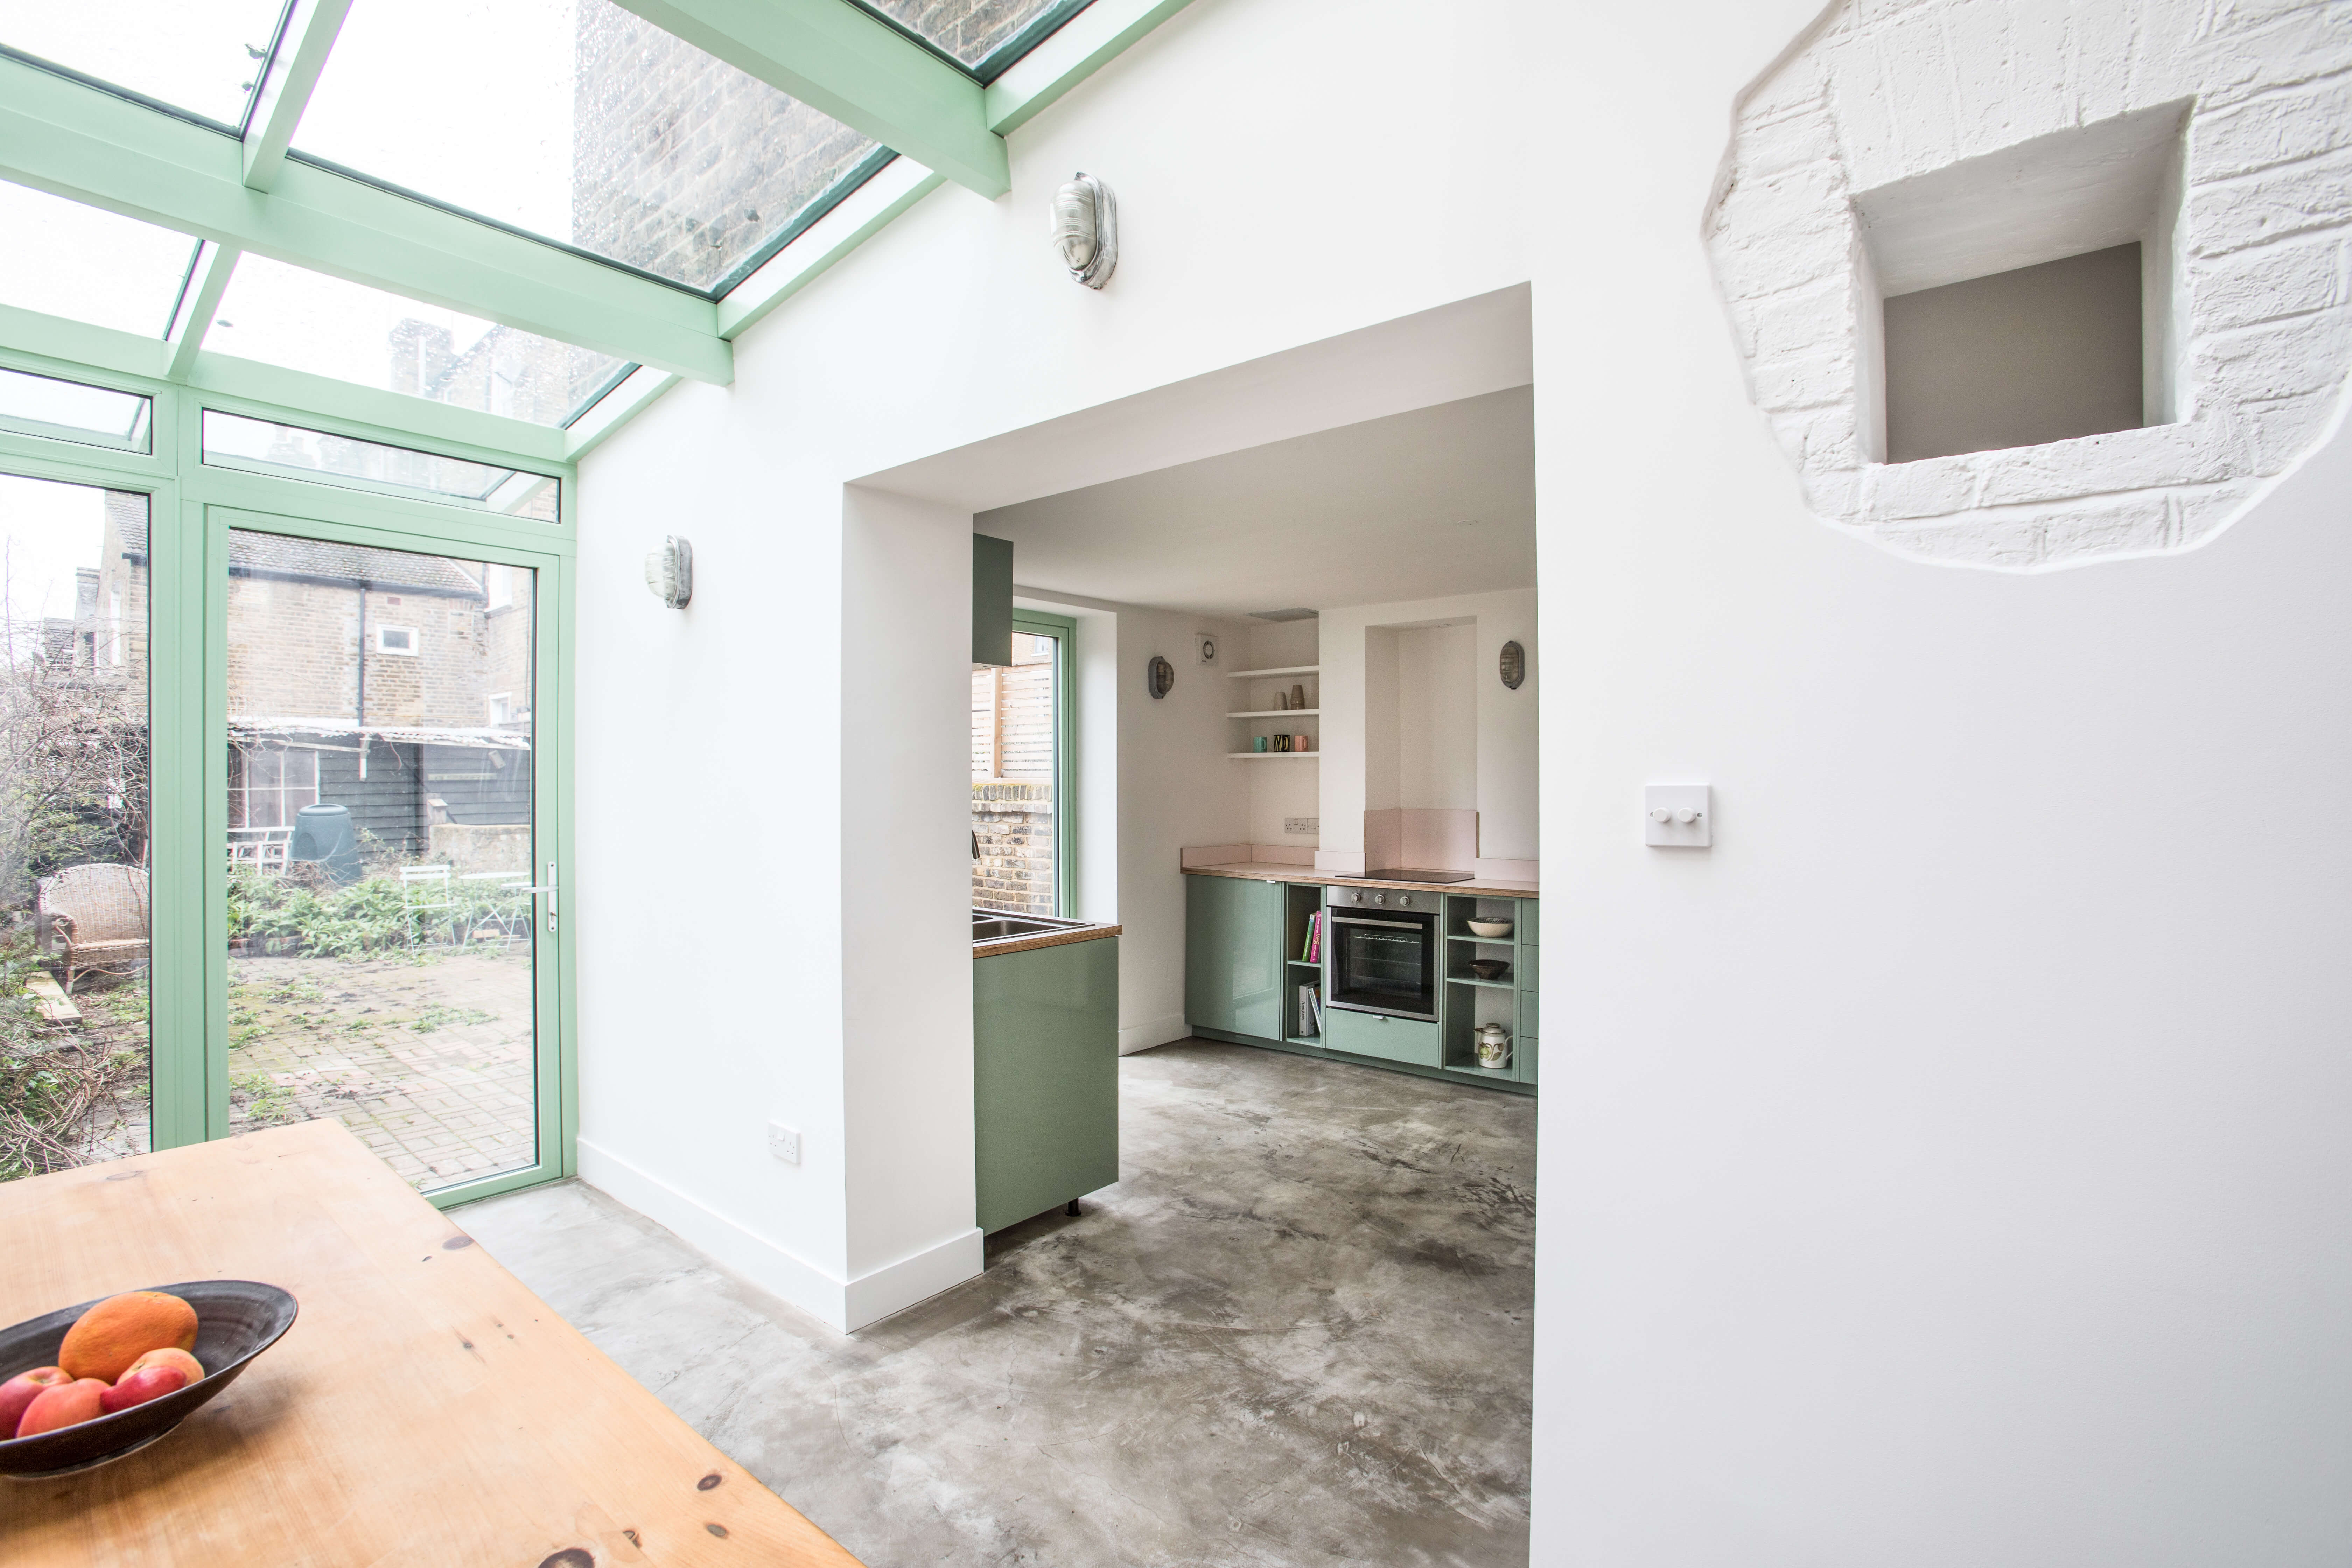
(1887, 90)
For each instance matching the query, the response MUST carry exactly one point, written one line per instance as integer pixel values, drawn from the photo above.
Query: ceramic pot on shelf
(1494, 1046)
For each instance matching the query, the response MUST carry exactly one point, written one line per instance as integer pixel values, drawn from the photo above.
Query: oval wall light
(1086, 230)
(669, 572)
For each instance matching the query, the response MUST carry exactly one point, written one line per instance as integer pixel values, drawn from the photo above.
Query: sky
(45, 530)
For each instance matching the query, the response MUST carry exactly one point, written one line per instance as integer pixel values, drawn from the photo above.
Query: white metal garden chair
(428, 897)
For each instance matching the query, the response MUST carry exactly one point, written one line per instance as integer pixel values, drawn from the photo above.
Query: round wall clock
(1158, 677)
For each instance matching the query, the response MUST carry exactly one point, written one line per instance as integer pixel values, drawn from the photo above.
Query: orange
(107, 1339)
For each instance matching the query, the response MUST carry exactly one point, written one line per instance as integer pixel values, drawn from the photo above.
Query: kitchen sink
(988, 927)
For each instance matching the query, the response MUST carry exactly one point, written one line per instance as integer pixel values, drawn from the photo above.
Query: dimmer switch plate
(784, 1142)
(1678, 817)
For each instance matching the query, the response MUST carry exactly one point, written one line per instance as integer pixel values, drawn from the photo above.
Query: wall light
(669, 572)
(1086, 230)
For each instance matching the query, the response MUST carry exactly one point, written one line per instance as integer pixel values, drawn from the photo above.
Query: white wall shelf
(1277, 713)
(1292, 670)
(1275, 756)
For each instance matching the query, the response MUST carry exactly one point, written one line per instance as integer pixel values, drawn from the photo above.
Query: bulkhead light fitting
(669, 572)
(1086, 230)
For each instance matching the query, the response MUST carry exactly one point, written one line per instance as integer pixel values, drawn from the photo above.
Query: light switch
(1678, 817)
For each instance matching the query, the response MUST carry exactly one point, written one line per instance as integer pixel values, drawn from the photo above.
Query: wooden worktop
(1005, 945)
(1277, 871)
(425, 1407)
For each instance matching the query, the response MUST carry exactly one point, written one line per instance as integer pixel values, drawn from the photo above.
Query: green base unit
(1234, 955)
(1044, 1076)
(1378, 1035)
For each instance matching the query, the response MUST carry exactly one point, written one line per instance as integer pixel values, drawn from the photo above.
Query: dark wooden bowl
(236, 1320)
(1489, 968)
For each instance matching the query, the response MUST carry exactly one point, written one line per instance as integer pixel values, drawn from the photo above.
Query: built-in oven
(1382, 953)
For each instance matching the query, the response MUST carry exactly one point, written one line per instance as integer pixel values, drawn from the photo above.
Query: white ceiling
(1434, 501)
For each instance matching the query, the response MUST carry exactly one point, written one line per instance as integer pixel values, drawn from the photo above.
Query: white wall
(953, 324)
(1950, 1166)
(1946, 1168)
(1437, 718)
(1364, 676)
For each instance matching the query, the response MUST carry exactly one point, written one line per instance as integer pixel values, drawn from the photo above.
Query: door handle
(547, 887)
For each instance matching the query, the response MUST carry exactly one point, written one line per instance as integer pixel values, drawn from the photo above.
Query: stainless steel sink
(988, 927)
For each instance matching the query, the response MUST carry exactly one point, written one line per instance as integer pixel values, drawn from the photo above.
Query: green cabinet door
(1233, 955)
(1044, 1078)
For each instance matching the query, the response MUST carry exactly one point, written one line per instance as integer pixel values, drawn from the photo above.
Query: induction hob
(1406, 875)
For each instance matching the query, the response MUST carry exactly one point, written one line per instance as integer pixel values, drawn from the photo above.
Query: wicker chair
(99, 917)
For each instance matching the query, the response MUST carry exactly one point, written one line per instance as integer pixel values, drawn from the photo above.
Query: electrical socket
(784, 1142)
(1302, 825)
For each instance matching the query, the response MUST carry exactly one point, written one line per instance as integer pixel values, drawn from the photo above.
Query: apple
(20, 1390)
(142, 1383)
(62, 1405)
(170, 1355)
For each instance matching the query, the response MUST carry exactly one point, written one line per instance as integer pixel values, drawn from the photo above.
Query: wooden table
(424, 1409)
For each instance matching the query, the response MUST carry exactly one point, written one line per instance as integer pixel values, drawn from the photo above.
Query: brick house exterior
(330, 646)
(1013, 781)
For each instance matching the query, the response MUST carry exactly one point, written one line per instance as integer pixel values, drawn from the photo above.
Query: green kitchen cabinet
(1233, 955)
(991, 600)
(1378, 1035)
(1044, 1078)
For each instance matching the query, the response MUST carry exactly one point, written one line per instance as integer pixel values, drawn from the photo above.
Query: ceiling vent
(1284, 614)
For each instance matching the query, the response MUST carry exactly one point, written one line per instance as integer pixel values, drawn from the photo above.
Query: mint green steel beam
(293, 72)
(207, 281)
(834, 56)
(78, 342)
(1083, 46)
(90, 147)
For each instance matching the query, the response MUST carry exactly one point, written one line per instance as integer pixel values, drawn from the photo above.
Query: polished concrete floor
(1295, 1332)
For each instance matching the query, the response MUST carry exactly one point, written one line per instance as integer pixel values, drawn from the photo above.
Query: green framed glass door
(384, 889)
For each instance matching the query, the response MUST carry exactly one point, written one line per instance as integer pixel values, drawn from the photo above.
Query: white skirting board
(845, 1304)
(1134, 1037)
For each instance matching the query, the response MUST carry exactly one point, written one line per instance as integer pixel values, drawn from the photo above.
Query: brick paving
(429, 1061)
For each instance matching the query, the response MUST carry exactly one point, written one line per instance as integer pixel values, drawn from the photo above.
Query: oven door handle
(1394, 925)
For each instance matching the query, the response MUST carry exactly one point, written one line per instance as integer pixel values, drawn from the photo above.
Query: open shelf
(1277, 713)
(1464, 936)
(1286, 669)
(1275, 756)
(1473, 979)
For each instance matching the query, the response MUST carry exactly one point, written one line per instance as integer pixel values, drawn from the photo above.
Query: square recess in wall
(2028, 296)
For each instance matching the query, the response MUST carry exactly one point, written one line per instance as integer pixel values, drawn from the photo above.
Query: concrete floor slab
(1297, 1333)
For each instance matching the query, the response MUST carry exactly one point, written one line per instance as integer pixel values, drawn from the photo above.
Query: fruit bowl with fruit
(85, 1385)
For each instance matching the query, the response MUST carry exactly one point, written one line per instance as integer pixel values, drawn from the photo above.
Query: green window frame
(1063, 630)
(192, 508)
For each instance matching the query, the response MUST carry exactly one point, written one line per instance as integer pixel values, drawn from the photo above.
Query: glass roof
(265, 447)
(200, 57)
(66, 259)
(986, 36)
(68, 411)
(306, 320)
(581, 122)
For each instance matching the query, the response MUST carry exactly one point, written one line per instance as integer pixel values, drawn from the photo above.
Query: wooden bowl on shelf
(1489, 968)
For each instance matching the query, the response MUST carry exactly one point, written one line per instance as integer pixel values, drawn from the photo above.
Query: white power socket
(784, 1142)
(1302, 825)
